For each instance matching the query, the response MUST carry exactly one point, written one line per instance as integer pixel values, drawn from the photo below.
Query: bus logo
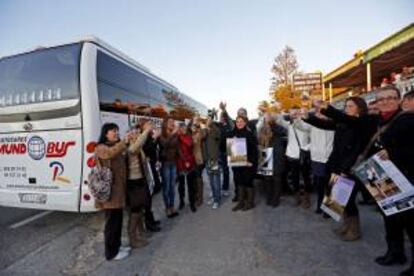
(58, 149)
(57, 171)
(36, 147)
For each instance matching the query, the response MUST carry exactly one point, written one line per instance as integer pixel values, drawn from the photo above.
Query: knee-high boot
(410, 270)
(354, 232)
(242, 199)
(249, 204)
(200, 190)
(135, 227)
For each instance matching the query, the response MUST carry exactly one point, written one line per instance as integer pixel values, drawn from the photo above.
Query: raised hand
(156, 133)
(148, 126)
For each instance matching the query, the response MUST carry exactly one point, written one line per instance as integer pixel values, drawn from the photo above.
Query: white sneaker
(215, 205)
(121, 255)
(226, 193)
(210, 201)
(125, 248)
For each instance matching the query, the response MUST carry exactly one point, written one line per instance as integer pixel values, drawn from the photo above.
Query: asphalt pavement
(264, 241)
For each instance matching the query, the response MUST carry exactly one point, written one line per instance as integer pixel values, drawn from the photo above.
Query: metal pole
(330, 92)
(323, 92)
(368, 77)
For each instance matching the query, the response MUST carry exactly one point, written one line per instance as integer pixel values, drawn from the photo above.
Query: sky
(212, 50)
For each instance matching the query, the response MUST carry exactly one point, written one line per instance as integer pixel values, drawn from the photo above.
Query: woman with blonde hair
(138, 195)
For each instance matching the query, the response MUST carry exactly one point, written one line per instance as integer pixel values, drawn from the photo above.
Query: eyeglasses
(387, 99)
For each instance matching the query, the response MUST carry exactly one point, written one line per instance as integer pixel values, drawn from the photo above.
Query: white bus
(53, 102)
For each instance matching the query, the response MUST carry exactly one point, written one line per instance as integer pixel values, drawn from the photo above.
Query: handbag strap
(296, 136)
(99, 162)
(380, 131)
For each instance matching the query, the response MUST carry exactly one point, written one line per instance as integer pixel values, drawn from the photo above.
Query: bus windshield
(44, 75)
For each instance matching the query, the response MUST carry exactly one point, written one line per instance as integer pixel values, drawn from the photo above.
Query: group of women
(180, 152)
(184, 151)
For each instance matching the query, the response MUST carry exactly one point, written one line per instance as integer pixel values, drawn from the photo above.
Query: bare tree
(284, 66)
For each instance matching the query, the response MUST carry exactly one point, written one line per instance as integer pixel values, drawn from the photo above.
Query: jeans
(226, 172)
(169, 174)
(320, 181)
(215, 185)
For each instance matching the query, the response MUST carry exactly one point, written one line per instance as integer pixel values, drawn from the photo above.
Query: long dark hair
(165, 126)
(105, 129)
(360, 103)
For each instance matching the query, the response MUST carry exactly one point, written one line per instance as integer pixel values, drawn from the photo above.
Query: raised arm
(139, 142)
(228, 120)
(320, 123)
(280, 120)
(105, 152)
(339, 116)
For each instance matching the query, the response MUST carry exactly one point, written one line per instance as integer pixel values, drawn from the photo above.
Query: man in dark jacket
(225, 129)
(211, 155)
(396, 144)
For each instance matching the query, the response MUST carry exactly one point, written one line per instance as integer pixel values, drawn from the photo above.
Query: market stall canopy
(389, 55)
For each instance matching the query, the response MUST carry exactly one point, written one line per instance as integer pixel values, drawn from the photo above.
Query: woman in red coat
(186, 166)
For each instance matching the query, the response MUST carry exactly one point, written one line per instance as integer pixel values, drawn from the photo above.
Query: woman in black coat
(151, 149)
(351, 137)
(243, 176)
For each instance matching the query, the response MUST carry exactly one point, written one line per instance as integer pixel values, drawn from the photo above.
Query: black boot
(242, 199)
(395, 255)
(410, 270)
(153, 227)
(236, 194)
(151, 224)
(277, 192)
(149, 218)
(182, 204)
(249, 203)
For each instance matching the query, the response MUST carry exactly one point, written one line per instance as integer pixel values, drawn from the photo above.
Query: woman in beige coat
(138, 194)
(110, 152)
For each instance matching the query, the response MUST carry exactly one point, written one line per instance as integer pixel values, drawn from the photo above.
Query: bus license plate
(33, 198)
